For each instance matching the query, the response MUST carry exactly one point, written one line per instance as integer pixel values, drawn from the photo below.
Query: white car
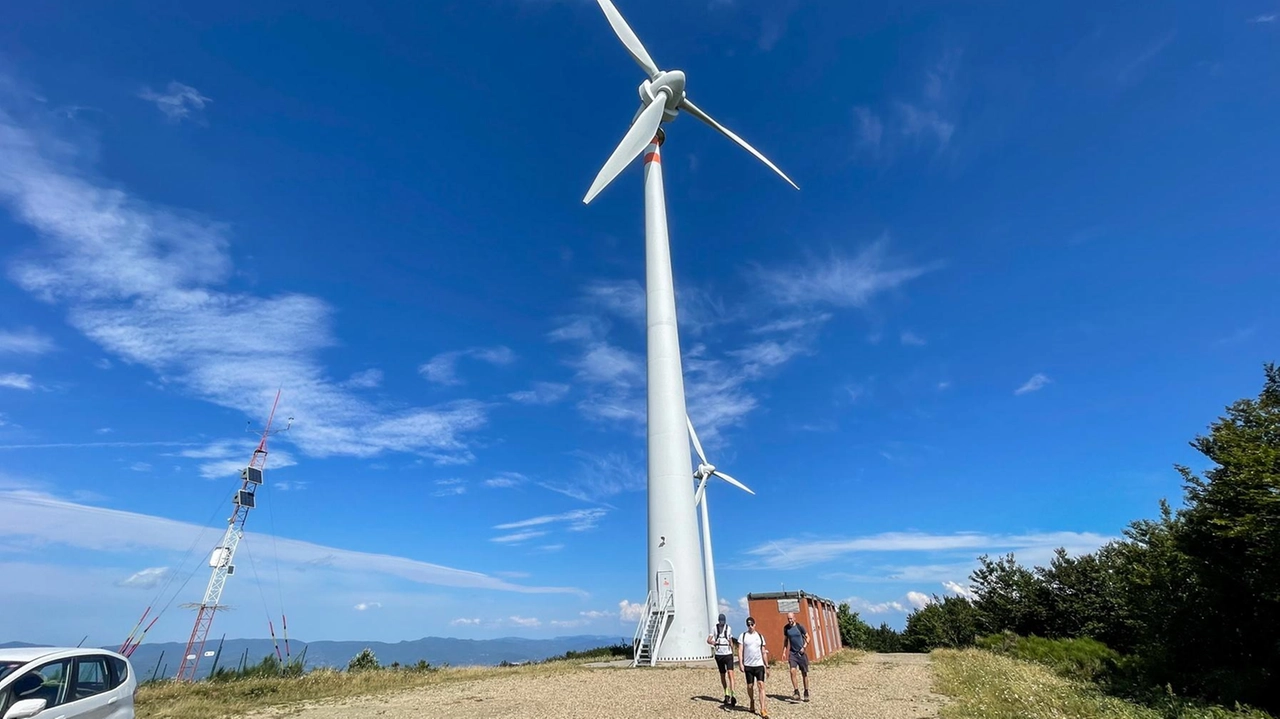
(65, 683)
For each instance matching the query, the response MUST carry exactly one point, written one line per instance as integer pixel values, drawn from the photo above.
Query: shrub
(364, 661)
(1086, 660)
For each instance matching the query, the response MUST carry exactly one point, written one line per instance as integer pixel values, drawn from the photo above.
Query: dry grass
(989, 686)
(842, 658)
(223, 700)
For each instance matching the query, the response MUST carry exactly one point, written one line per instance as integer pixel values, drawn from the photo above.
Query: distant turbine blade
(636, 139)
(696, 444)
(698, 113)
(629, 38)
(732, 481)
(702, 489)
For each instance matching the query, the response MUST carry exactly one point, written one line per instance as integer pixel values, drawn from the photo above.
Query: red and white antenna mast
(244, 500)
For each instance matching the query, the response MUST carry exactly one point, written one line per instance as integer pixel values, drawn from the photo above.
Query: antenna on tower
(220, 561)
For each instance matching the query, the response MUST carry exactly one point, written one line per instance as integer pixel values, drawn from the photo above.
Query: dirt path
(879, 686)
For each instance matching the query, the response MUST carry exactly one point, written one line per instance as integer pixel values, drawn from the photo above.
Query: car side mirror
(25, 708)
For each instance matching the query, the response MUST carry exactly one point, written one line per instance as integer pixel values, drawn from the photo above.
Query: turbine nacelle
(706, 470)
(669, 86)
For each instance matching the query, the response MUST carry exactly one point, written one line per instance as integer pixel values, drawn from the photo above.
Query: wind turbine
(674, 626)
(702, 474)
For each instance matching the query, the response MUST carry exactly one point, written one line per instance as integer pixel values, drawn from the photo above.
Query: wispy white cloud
(577, 520)
(1265, 18)
(794, 553)
(149, 284)
(1037, 382)
(443, 368)
(465, 622)
(911, 339)
(601, 476)
(365, 606)
(36, 516)
(505, 480)
(541, 393)
(225, 457)
(178, 101)
(26, 341)
(1132, 71)
(928, 117)
(450, 487)
(149, 578)
(518, 537)
(365, 379)
(17, 381)
(870, 130)
(842, 281)
(528, 622)
(865, 606)
(140, 466)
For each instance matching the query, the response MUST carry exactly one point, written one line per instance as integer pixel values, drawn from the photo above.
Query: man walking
(754, 662)
(794, 641)
(722, 641)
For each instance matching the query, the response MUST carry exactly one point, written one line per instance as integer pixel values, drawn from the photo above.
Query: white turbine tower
(674, 626)
(702, 474)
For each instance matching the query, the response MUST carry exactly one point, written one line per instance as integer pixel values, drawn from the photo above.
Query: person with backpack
(722, 641)
(794, 641)
(755, 663)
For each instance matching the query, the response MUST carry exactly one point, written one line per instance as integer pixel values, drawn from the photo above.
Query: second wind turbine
(675, 624)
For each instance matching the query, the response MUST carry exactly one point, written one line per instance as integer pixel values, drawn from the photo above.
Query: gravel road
(879, 686)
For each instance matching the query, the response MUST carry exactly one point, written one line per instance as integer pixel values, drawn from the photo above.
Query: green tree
(950, 622)
(885, 639)
(1231, 534)
(1010, 597)
(854, 632)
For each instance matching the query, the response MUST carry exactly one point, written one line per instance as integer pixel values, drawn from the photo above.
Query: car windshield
(7, 667)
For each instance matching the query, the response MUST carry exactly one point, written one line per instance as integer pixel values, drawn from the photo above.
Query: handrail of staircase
(644, 620)
(668, 607)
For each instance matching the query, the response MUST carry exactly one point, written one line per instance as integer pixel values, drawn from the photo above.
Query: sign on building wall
(788, 605)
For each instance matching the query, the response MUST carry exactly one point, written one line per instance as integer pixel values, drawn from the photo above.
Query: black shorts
(754, 674)
(799, 659)
(724, 662)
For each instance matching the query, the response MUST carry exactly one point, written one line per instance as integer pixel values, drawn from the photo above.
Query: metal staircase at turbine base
(651, 629)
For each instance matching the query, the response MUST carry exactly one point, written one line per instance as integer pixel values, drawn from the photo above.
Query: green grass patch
(985, 685)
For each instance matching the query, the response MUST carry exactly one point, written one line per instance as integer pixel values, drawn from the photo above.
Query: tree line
(1188, 603)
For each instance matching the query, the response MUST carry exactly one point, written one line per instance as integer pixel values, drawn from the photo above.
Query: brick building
(818, 615)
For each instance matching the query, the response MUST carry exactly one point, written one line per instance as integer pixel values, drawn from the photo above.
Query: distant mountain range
(435, 650)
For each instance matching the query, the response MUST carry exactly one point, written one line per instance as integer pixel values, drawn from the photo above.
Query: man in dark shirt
(794, 641)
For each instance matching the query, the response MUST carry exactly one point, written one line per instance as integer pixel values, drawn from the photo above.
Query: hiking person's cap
(722, 619)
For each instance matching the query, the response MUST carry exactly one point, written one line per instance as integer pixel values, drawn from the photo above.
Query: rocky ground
(877, 686)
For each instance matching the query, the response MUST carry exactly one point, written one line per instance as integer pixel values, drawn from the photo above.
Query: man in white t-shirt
(755, 663)
(721, 640)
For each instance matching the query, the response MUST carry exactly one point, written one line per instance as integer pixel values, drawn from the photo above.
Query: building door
(666, 579)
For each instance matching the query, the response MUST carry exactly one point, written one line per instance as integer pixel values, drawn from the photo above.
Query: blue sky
(1033, 254)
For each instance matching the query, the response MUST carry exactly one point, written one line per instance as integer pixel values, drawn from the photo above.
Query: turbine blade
(696, 444)
(698, 113)
(636, 139)
(702, 489)
(628, 38)
(732, 481)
